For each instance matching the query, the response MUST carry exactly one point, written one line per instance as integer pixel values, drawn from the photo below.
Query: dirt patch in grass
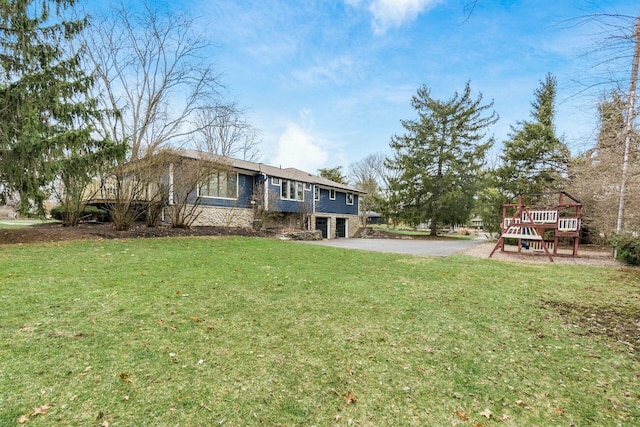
(54, 232)
(618, 323)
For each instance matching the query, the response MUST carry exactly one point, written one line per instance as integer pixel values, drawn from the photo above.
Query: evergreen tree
(534, 159)
(435, 166)
(489, 202)
(334, 174)
(44, 113)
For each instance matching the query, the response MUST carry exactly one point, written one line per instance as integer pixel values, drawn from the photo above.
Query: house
(238, 193)
(245, 194)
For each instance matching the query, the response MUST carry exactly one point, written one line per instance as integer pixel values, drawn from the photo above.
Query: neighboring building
(374, 218)
(476, 222)
(239, 193)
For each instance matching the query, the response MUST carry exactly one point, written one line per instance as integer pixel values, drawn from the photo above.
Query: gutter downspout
(171, 199)
(266, 191)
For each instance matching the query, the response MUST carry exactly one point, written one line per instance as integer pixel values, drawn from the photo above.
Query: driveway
(443, 247)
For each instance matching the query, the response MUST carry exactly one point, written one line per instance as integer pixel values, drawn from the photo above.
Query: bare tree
(265, 214)
(628, 127)
(181, 194)
(222, 130)
(129, 191)
(596, 174)
(165, 182)
(617, 56)
(370, 175)
(152, 74)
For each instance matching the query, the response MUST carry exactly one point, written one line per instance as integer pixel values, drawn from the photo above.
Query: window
(307, 186)
(291, 190)
(299, 191)
(275, 181)
(332, 194)
(350, 198)
(221, 184)
(316, 194)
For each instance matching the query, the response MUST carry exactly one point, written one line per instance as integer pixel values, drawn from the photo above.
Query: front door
(322, 224)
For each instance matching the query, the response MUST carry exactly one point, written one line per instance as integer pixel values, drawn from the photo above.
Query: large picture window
(221, 184)
(292, 190)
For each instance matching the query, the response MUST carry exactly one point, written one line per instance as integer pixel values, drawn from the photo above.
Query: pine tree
(534, 159)
(435, 166)
(334, 174)
(44, 112)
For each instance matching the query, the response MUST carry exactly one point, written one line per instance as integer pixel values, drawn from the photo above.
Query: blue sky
(327, 82)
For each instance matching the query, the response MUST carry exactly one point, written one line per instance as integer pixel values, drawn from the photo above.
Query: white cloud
(299, 149)
(335, 70)
(394, 13)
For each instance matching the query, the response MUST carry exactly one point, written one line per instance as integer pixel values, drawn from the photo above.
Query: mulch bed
(54, 232)
(96, 231)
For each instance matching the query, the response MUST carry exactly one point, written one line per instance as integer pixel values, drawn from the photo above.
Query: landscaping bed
(54, 232)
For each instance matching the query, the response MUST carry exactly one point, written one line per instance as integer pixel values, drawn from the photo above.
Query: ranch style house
(240, 193)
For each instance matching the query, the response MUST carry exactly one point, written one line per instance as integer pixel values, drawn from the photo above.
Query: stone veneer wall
(353, 224)
(241, 217)
(224, 217)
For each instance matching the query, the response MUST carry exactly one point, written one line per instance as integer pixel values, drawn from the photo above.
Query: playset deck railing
(568, 224)
(544, 217)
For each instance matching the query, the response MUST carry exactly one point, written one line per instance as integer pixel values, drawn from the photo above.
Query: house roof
(285, 173)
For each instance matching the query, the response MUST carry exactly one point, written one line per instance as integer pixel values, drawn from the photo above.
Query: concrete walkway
(444, 247)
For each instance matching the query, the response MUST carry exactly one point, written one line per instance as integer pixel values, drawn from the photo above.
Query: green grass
(401, 230)
(21, 223)
(419, 233)
(245, 331)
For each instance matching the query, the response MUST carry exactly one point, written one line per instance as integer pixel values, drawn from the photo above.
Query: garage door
(341, 227)
(322, 224)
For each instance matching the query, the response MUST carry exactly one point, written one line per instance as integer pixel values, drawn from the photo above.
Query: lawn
(20, 223)
(249, 331)
(421, 232)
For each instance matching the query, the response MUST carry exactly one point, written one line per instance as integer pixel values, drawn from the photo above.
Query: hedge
(89, 213)
(627, 249)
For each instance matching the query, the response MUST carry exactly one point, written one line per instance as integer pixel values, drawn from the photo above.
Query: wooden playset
(541, 229)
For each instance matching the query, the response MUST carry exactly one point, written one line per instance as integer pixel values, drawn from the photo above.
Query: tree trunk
(628, 128)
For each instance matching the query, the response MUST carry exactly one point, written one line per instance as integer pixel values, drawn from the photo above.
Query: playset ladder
(521, 232)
